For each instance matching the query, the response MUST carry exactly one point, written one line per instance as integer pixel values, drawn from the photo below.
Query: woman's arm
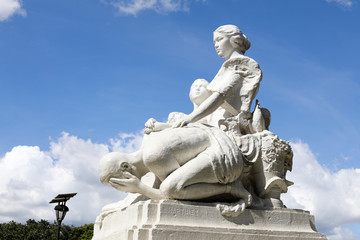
(159, 126)
(152, 125)
(206, 108)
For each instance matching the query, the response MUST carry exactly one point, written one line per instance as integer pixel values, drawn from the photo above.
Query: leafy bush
(43, 230)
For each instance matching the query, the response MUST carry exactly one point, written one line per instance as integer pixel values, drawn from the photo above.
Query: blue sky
(92, 72)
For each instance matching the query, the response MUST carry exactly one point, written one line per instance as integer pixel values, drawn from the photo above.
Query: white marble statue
(220, 152)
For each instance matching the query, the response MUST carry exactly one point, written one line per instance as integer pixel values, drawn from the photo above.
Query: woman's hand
(129, 184)
(150, 125)
(182, 122)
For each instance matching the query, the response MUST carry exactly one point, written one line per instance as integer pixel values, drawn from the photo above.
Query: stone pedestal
(183, 220)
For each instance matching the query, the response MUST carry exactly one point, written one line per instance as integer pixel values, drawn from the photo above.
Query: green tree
(12, 231)
(43, 230)
(84, 232)
(87, 231)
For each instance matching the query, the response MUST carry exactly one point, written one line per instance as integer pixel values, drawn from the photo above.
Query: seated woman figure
(235, 85)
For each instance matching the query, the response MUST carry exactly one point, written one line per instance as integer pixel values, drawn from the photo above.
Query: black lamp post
(61, 209)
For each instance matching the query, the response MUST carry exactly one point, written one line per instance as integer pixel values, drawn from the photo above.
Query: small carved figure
(198, 94)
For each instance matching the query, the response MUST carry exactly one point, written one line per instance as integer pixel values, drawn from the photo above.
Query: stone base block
(183, 220)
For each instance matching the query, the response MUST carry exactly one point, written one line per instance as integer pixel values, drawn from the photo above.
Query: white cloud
(132, 7)
(331, 196)
(126, 142)
(346, 3)
(30, 178)
(9, 8)
(339, 233)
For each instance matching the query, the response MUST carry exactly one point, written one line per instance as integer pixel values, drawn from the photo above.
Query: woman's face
(223, 46)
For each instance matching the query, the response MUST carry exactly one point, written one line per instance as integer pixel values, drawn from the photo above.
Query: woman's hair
(235, 34)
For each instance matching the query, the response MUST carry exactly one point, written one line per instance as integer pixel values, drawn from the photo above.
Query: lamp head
(61, 211)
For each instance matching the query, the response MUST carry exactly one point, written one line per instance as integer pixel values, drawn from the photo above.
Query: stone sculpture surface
(216, 173)
(221, 152)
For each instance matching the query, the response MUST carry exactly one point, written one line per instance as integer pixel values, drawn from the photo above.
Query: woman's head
(198, 91)
(237, 39)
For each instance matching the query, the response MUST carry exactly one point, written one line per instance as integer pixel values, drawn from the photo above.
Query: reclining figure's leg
(196, 180)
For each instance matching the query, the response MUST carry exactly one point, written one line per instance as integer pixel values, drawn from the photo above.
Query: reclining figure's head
(113, 165)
